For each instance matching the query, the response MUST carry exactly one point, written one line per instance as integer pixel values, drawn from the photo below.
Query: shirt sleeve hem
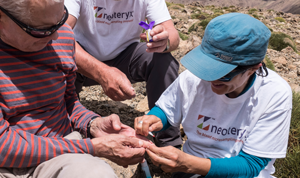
(265, 154)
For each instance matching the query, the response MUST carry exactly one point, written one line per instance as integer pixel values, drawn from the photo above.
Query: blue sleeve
(160, 114)
(242, 165)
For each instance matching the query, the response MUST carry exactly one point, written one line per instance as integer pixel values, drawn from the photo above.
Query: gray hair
(19, 8)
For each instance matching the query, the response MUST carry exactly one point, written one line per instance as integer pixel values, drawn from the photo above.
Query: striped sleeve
(79, 115)
(22, 149)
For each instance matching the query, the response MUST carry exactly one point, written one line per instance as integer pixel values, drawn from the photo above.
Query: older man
(109, 31)
(39, 108)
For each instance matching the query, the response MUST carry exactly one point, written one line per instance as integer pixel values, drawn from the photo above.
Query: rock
(295, 87)
(142, 105)
(280, 60)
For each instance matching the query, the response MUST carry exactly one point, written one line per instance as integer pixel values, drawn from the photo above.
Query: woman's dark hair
(262, 71)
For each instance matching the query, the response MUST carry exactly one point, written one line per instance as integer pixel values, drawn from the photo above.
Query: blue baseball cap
(230, 40)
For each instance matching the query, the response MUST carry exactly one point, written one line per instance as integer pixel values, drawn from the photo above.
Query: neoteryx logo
(210, 127)
(97, 10)
(203, 125)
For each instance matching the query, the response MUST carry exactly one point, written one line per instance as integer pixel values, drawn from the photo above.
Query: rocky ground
(286, 63)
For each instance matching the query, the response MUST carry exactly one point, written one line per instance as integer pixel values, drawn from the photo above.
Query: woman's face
(235, 86)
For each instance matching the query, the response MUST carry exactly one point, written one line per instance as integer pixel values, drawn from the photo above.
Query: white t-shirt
(106, 27)
(217, 126)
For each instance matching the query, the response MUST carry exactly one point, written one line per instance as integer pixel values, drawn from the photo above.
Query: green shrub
(195, 16)
(225, 8)
(193, 8)
(183, 36)
(204, 23)
(279, 41)
(269, 63)
(175, 7)
(251, 11)
(280, 19)
(181, 5)
(173, 17)
(232, 10)
(255, 16)
(231, 6)
(290, 167)
(218, 11)
(168, 4)
(270, 29)
(193, 28)
(217, 14)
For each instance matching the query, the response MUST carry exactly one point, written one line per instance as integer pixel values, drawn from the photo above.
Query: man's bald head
(23, 10)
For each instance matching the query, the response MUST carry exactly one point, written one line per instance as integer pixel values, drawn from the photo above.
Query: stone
(280, 60)
(142, 105)
(295, 87)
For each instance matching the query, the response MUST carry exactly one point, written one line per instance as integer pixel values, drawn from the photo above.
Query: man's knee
(87, 166)
(77, 165)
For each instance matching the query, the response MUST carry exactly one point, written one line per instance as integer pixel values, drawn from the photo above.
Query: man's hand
(115, 84)
(160, 35)
(111, 124)
(160, 38)
(120, 149)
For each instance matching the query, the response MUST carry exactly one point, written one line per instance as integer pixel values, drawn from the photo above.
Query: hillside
(289, 6)
(190, 21)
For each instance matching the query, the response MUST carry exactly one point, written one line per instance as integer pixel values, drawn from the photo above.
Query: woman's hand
(171, 159)
(147, 123)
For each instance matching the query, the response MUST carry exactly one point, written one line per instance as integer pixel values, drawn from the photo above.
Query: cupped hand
(160, 38)
(116, 85)
(169, 158)
(147, 123)
(111, 124)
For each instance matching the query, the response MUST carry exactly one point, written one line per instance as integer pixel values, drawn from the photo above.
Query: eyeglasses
(38, 33)
(231, 75)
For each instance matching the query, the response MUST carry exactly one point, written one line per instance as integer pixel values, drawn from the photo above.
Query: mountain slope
(291, 6)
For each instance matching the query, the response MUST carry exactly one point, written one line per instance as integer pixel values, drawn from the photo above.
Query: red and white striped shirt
(38, 103)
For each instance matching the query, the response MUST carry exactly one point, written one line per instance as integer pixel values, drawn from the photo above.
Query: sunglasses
(231, 75)
(38, 33)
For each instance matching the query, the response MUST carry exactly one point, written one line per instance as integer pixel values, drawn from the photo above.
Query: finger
(156, 30)
(143, 36)
(156, 160)
(157, 44)
(161, 36)
(145, 125)
(116, 95)
(134, 143)
(139, 128)
(156, 126)
(116, 123)
(126, 89)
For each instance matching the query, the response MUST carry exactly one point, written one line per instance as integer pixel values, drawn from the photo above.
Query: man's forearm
(20, 149)
(173, 35)
(88, 65)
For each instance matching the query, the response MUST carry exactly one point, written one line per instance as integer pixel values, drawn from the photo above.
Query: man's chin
(34, 48)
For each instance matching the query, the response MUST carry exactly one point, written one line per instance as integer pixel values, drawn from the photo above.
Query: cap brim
(205, 67)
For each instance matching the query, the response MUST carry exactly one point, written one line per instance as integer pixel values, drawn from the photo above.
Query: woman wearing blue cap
(235, 112)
